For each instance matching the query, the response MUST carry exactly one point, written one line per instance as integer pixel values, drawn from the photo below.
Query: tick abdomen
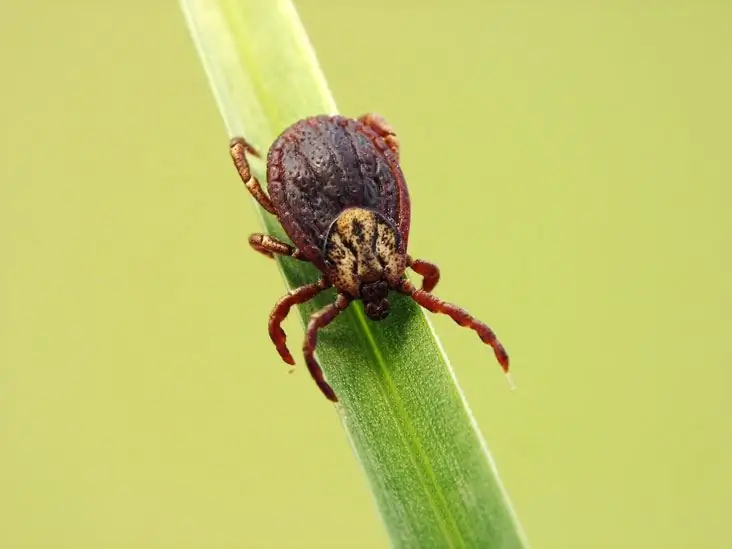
(321, 166)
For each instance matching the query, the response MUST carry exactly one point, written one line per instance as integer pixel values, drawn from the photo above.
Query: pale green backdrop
(570, 173)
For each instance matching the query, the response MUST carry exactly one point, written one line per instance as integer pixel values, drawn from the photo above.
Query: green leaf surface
(428, 466)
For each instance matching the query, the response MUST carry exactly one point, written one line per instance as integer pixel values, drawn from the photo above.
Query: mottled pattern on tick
(362, 245)
(323, 165)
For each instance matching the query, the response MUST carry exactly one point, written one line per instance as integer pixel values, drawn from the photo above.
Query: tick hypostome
(336, 186)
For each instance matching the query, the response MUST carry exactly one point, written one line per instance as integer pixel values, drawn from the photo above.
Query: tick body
(336, 186)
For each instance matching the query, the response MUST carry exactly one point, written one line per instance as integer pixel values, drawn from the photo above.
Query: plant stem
(430, 470)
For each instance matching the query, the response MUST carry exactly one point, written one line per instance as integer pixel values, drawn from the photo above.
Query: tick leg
(461, 316)
(282, 309)
(429, 271)
(383, 129)
(238, 148)
(319, 320)
(269, 245)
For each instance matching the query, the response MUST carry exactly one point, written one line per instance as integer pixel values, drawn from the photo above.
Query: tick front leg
(282, 309)
(461, 316)
(320, 320)
(238, 148)
(383, 129)
(269, 245)
(429, 271)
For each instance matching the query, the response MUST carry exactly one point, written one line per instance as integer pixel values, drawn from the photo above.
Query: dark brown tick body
(337, 189)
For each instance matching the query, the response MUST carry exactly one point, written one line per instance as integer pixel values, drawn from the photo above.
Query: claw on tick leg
(318, 321)
(462, 318)
(282, 309)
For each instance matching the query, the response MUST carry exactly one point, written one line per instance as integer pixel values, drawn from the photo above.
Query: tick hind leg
(238, 149)
(383, 129)
(269, 245)
(282, 309)
(320, 320)
(460, 316)
(429, 271)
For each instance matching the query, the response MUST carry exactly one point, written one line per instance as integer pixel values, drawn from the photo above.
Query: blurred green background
(569, 169)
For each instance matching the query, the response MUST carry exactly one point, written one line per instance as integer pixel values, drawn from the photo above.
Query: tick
(336, 186)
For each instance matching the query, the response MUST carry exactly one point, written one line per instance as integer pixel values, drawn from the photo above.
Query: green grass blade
(429, 468)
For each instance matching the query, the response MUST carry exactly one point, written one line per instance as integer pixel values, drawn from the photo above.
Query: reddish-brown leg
(429, 271)
(282, 309)
(320, 320)
(269, 245)
(461, 316)
(383, 129)
(238, 148)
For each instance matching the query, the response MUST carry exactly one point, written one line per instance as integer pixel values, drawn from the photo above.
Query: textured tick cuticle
(336, 186)
(361, 247)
